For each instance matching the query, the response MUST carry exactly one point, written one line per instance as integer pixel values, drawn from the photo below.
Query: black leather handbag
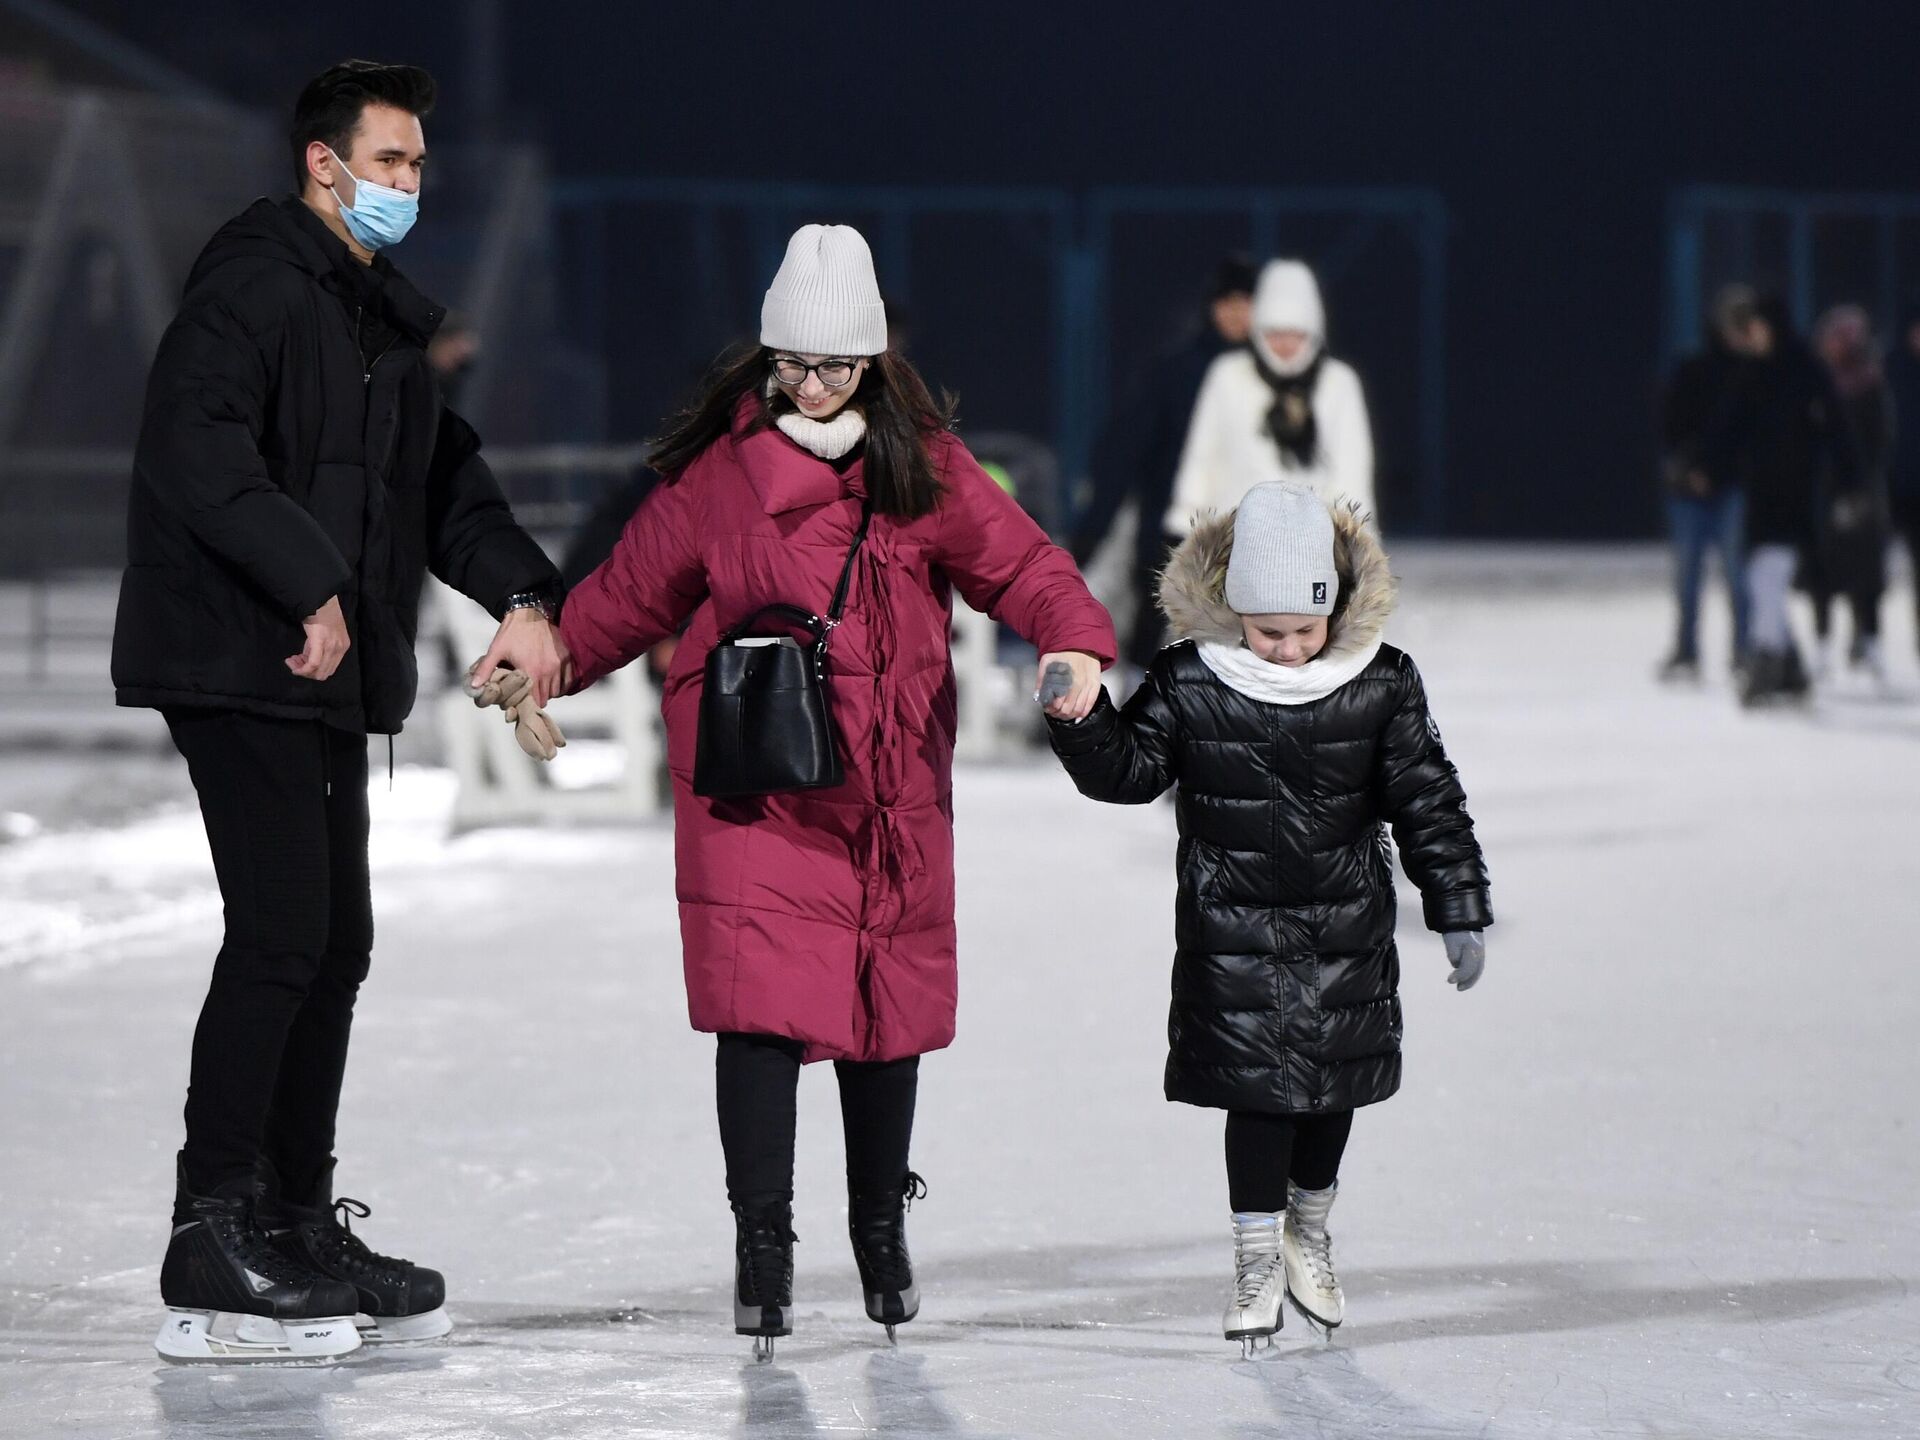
(764, 723)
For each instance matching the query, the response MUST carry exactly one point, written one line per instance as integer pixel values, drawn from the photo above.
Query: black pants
(285, 806)
(1266, 1151)
(757, 1079)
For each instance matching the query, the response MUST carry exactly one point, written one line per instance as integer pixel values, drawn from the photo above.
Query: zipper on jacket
(367, 379)
(359, 344)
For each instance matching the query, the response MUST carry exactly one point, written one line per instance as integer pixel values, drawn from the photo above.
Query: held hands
(1467, 953)
(1076, 700)
(527, 642)
(536, 732)
(327, 643)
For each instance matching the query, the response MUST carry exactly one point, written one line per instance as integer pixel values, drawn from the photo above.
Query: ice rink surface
(1655, 1177)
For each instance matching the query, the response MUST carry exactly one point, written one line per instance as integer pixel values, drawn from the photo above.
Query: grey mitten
(1056, 682)
(1467, 953)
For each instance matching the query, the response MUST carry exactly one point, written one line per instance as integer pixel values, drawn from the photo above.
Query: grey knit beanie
(825, 300)
(1282, 561)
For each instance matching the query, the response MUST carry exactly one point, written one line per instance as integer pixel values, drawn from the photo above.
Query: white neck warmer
(1309, 353)
(829, 439)
(1240, 669)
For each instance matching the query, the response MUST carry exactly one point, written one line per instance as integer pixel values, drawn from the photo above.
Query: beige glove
(535, 731)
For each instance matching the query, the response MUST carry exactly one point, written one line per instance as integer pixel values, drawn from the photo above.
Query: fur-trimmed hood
(1193, 588)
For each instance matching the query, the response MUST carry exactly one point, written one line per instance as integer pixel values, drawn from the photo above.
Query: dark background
(1554, 132)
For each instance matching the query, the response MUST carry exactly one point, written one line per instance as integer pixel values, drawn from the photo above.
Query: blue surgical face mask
(380, 215)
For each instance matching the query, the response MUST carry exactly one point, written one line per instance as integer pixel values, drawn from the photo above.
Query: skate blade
(763, 1349)
(762, 1321)
(1252, 1346)
(197, 1337)
(404, 1329)
(1326, 1327)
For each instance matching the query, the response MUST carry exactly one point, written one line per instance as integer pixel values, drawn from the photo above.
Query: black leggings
(1265, 1151)
(757, 1078)
(285, 806)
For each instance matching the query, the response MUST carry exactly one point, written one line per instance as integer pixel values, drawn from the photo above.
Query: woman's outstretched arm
(644, 591)
(1004, 565)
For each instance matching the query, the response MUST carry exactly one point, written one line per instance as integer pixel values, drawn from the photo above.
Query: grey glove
(1056, 682)
(1467, 953)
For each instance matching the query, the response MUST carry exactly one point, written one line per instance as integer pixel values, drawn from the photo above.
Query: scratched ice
(1655, 1177)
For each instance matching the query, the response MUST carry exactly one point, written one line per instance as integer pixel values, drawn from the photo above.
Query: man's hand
(327, 643)
(527, 641)
(1078, 702)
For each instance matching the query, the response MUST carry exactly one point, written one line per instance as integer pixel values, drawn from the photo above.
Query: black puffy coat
(1700, 419)
(295, 448)
(1793, 442)
(1285, 975)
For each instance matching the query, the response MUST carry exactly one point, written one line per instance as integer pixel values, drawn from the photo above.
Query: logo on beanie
(1319, 592)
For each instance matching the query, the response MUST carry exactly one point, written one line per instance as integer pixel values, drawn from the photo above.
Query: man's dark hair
(329, 108)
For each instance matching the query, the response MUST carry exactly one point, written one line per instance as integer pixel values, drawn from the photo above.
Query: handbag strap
(846, 570)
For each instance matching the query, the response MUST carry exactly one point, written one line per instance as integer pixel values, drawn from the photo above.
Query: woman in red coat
(819, 924)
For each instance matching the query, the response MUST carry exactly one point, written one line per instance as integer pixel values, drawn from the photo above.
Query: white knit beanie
(825, 300)
(1282, 560)
(1288, 298)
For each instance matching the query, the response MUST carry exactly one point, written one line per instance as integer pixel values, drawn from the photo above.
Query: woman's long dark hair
(901, 417)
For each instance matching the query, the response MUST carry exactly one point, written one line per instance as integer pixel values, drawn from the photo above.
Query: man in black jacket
(1140, 449)
(296, 476)
(1706, 485)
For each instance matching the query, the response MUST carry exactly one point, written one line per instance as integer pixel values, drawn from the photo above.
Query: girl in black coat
(1296, 739)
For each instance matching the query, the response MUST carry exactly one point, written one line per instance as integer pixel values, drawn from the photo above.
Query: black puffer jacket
(1285, 977)
(295, 448)
(1796, 452)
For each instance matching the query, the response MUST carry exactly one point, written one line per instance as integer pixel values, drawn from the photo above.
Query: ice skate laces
(349, 1248)
(1256, 1250)
(1316, 1248)
(253, 1248)
(767, 1255)
(879, 1232)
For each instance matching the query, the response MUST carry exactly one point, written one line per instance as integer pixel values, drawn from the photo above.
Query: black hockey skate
(877, 1225)
(1774, 677)
(1681, 667)
(397, 1300)
(232, 1294)
(763, 1274)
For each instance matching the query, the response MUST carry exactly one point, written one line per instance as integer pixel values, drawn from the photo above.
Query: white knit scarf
(1240, 669)
(829, 439)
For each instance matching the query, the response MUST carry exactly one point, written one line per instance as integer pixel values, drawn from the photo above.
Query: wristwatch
(545, 601)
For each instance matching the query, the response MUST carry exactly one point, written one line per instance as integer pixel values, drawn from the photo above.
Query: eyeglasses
(835, 374)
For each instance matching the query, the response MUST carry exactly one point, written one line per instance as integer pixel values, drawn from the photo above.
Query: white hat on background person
(1288, 298)
(825, 300)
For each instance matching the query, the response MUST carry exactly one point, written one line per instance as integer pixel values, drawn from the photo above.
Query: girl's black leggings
(757, 1078)
(1265, 1151)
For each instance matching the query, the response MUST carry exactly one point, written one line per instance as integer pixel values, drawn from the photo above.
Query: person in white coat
(1278, 408)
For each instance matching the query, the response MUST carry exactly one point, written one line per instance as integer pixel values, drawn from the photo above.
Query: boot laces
(343, 1246)
(1316, 1248)
(767, 1261)
(1256, 1249)
(251, 1245)
(879, 1232)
